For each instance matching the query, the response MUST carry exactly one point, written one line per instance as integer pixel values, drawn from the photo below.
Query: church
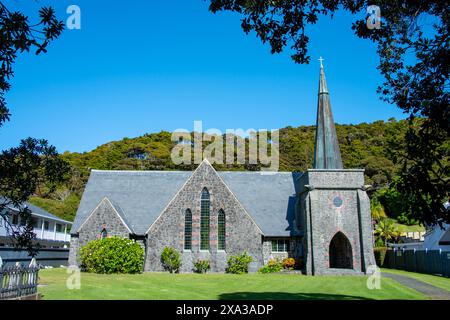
(320, 217)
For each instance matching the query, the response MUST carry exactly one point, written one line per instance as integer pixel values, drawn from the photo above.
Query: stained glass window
(188, 230)
(221, 229)
(204, 220)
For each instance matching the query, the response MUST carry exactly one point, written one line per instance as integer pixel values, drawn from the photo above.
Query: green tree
(386, 230)
(413, 61)
(22, 169)
(34, 162)
(377, 210)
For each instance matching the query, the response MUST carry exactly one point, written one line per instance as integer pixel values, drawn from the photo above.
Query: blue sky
(138, 67)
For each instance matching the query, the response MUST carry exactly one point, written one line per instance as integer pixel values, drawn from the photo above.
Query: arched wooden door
(341, 255)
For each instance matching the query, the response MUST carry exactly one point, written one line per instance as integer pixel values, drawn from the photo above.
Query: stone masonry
(332, 202)
(242, 234)
(104, 217)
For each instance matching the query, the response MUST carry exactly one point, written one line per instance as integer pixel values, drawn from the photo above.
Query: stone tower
(334, 209)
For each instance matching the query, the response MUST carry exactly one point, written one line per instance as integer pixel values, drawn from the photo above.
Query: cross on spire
(321, 60)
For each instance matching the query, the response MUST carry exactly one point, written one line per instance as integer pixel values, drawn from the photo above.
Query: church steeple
(327, 154)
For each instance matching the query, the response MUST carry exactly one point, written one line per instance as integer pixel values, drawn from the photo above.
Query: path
(433, 292)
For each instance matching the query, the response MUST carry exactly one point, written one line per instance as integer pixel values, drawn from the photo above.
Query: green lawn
(405, 228)
(156, 286)
(437, 281)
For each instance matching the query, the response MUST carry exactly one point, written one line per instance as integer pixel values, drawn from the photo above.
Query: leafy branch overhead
(22, 170)
(413, 47)
(17, 36)
(33, 163)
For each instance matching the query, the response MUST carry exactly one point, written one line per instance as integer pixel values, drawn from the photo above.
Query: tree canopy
(34, 163)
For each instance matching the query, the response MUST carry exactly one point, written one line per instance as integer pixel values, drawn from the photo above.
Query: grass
(162, 286)
(437, 281)
(406, 228)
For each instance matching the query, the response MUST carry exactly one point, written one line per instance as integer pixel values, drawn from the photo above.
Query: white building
(436, 238)
(46, 225)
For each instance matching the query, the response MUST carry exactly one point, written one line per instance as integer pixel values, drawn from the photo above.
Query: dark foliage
(34, 163)
(18, 35)
(22, 170)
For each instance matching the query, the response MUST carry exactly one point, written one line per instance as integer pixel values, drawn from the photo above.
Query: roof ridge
(266, 173)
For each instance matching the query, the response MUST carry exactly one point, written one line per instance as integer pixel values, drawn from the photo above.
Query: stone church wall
(104, 217)
(242, 234)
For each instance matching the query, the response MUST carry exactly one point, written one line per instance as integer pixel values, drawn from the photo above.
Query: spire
(327, 154)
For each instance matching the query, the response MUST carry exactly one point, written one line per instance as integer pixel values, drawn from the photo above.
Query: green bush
(239, 264)
(202, 266)
(380, 255)
(171, 260)
(112, 255)
(272, 267)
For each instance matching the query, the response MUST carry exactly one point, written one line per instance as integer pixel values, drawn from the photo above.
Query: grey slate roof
(141, 196)
(269, 198)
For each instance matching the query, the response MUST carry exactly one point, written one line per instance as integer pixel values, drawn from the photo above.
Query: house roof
(36, 211)
(141, 196)
(445, 240)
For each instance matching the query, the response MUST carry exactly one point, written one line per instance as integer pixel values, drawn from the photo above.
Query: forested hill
(367, 146)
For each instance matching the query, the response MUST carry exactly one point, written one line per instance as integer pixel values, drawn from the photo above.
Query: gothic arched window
(188, 230)
(221, 230)
(204, 220)
(104, 234)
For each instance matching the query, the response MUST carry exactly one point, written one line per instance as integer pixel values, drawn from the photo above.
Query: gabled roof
(141, 196)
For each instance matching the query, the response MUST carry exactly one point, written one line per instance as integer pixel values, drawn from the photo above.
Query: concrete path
(429, 290)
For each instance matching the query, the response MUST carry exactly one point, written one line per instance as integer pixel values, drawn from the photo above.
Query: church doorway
(341, 256)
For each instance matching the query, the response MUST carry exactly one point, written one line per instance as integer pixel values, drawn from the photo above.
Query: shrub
(239, 264)
(272, 267)
(289, 263)
(112, 255)
(380, 255)
(171, 260)
(202, 266)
